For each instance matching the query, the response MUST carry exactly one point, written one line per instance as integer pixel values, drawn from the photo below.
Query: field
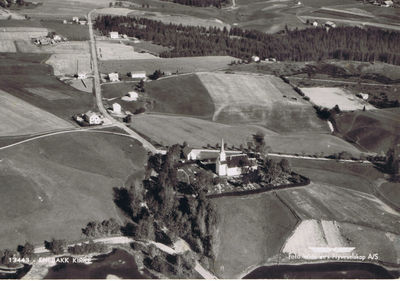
(168, 130)
(22, 33)
(21, 118)
(264, 100)
(73, 32)
(181, 65)
(70, 47)
(390, 191)
(252, 236)
(329, 97)
(21, 72)
(108, 50)
(374, 130)
(53, 187)
(338, 217)
(59, 9)
(7, 46)
(69, 64)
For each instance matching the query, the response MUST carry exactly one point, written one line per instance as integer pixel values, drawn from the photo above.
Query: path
(179, 247)
(97, 89)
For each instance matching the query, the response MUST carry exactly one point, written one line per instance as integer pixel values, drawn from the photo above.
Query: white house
(116, 108)
(138, 74)
(133, 95)
(388, 3)
(330, 24)
(75, 19)
(364, 96)
(82, 75)
(93, 118)
(82, 22)
(255, 58)
(65, 21)
(114, 35)
(315, 23)
(233, 165)
(113, 77)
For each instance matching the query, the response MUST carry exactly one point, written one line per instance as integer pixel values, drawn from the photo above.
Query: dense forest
(312, 44)
(201, 3)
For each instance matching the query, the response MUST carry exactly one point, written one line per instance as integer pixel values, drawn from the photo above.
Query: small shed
(113, 77)
(114, 35)
(116, 108)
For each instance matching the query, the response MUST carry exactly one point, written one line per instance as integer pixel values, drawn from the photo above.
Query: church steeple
(222, 154)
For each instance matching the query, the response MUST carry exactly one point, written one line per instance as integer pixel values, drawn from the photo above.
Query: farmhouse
(82, 75)
(315, 23)
(233, 165)
(133, 95)
(330, 24)
(255, 58)
(75, 19)
(93, 118)
(114, 35)
(138, 74)
(116, 108)
(388, 3)
(113, 77)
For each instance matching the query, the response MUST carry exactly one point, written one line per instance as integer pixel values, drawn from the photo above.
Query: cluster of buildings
(51, 39)
(227, 163)
(76, 20)
(387, 3)
(140, 75)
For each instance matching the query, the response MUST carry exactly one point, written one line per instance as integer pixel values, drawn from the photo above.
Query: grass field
(181, 65)
(329, 97)
(7, 46)
(60, 9)
(53, 187)
(169, 130)
(338, 217)
(109, 50)
(325, 202)
(264, 100)
(69, 64)
(22, 33)
(390, 191)
(20, 118)
(374, 130)
(73, 32)
(19, 72)
(251, 232)
(354, 176)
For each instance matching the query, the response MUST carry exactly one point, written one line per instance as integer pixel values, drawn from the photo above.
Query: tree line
(311, 44)
(201, 3)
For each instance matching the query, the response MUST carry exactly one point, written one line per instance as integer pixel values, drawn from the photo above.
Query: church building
(233, 165)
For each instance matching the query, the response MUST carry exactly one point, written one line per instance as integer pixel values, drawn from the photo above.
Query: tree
(285, 165)
(27, 251)
(157, 74)
(56, 246)
(259, 142)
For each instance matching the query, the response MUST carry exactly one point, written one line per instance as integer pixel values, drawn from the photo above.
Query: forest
(311, 44)
(201, 3)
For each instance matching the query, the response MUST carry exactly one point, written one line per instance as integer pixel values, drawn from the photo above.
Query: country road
(97, 90)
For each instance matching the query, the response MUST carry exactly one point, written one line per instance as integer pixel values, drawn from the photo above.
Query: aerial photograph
(199, 139)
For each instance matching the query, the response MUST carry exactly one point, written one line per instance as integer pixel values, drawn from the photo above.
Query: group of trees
(104, 228)
(7, 4)
(311, 44)
(161, 201)
(25, 251)
(201, 3)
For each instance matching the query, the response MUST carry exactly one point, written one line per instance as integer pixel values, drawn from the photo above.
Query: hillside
(375, 130)
(53, 186)
(238, 99)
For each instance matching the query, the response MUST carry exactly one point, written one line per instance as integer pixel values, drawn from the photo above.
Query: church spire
(222, 154)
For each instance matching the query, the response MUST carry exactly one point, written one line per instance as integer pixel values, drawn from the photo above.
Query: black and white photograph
(199, 139)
